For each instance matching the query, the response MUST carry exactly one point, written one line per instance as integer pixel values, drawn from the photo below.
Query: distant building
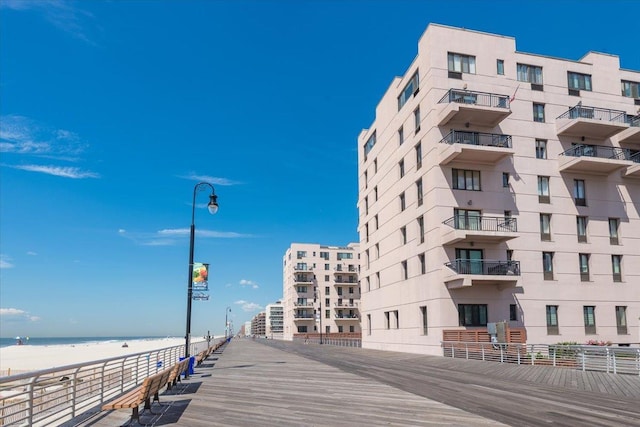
(258, 326)
(247, 328)
(274, 320)
(321, 291)
(497, 186)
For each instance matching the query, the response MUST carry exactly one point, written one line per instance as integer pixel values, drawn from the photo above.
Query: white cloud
(245, 282)
(17, 314)
(32, 253)
(62, 14)
(5, 261)
(210, 179)
(173, 236)
(62, 171)
(248, 306)
(22, 135)
(202, 233)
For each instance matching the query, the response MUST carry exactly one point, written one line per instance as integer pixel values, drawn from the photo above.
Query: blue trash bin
(192, 361)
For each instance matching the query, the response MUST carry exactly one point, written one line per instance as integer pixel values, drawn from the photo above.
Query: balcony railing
(634, 121)
(635, 158)
(350, 280)
(485, 267)
(476, 98)
(600, 151)
(478, 138)
(346, 316)
(483, 223)
(303, 316)
(594, 113)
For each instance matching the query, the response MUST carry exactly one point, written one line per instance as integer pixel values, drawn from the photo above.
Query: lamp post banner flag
(200, 276)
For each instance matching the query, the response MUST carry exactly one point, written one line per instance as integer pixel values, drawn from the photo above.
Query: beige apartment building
(497, 186)
(320, 291)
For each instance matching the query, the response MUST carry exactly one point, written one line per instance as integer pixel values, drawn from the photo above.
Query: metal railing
(482, 99)
(615, 360)
(482, 223)
(478, 138)
(580, 112)
(599, 151)
(635, 158)
(338, 342)
(304, 316)
(634, 121)
(53, 396)
(346, 316)
(485, 267)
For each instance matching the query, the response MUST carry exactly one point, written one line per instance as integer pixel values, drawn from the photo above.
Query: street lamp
(226, 322)
(213, 208)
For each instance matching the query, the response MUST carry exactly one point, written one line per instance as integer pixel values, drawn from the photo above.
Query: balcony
(631, 135)
(303, 304)
(302, 267)
(345, 304)
(462, 273)
(345, 270)
(349, 281)
(594, 159)
(475, 147)
(591, 122)
(477, 108)
(304, 316)
(302, 278)
(481, 229)
(347, 317)
(633, 171)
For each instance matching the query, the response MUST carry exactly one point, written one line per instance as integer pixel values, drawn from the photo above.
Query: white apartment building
(274, 320)
(501, 186)
(320, 289)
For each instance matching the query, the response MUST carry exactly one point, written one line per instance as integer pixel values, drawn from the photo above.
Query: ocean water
(39, 341)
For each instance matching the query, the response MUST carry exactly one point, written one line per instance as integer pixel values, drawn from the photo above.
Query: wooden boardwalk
(275, 383)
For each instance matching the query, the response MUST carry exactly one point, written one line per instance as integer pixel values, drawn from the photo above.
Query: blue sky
(111, 112)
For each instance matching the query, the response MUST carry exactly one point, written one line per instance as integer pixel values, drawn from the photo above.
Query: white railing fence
(53, 396)
(615, 360)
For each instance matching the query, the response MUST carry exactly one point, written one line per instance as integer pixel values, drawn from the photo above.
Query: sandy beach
(24, 358)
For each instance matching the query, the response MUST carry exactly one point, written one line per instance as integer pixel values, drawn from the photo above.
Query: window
(530, 73)
(326, 278)
(375, 165)
(301, 254)
(327, 314)
(614, 223)
(543, 189)
(425, 325)
(538, 112)
(375, 193)
(403, 204)
(418, 149)
(416, 119)
(368, 284)
(327, 290)
(403, 235)
(459, 63)
(366, 236)
(589, 312)
(396, 319)
(423, 266)
(421, 228)
(401, 135)
(472, 314)
(366, 206)
(352, 328)
(513, 312)
(368, 146)
(405, 270)
(367, 258)
(579, 194)
(584, 267)
(616, 266)
(581, 223)
(409, 90)
(302, 329)
(552, 320)
(375, 223)
(386, 319)
(368, 324)
(377, 253)
(401, 167)
(505, 179)
(301, 289)
(621, 319)
(578, 82)
(326, 266)
(324, 255)
(500, 67)
(547, 265)
(630, 89)
(366, 179)
(327, 302)
(466, 180)
(541, 148)
(545, 227)
(378, 279)
(419, 191)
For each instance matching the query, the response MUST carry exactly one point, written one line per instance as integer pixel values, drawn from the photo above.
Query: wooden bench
(133, 399)
(177, 370)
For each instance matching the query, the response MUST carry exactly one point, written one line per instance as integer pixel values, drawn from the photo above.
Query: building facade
(258, 325)
(320, 291)
(274, 320)
(500, 186)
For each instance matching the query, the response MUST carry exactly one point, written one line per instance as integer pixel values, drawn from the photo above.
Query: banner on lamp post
(200, 279)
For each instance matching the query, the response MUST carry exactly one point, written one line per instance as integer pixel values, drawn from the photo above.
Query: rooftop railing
(599, 151)
(478, 138)
(483, 223)
(482, 99)
(580, 112)
(485, 267)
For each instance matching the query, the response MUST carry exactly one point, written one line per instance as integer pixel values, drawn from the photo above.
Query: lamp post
(226, 322)
(213, 208)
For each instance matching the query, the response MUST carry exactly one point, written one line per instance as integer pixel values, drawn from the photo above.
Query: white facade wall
(320, 291)
(274, 320)
(612, 191)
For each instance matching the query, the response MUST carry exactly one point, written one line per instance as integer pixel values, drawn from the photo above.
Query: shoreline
(18, 359)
